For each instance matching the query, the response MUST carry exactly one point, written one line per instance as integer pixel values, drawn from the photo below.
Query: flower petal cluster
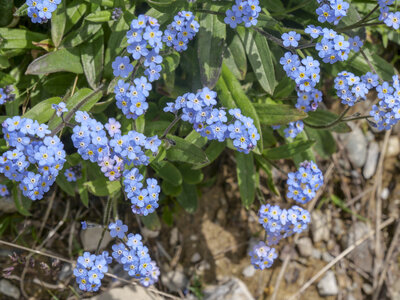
(40, 11)
(198, 109)
(181, 31)
(6, 94)
(386, 113)
(293, 129)
(262, 256)
(305, 182)
(73, 173)
(391, 19)
(332, 11)
(144, 199)
(282, 223)
(34, 159)
(90, 270)
(245, 12)
(333, 47)
(351, 88)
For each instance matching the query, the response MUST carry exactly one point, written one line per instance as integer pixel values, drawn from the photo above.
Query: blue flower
(153, 72)
(60, 108)
(118, 229)
(122, 66)
(291, 39)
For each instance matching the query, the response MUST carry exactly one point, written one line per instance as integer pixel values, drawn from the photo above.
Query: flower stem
(106, 220)
(331, 124)
(176, 120)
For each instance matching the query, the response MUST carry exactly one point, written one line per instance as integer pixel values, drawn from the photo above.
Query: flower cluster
(198, 109)
(31, 148)
(116, 13)
(73, 173)
(3, 190)
(333, 47)
(281, 223)
(144, 200)
(90, 270)
(351, 88)
(60, 108)
(387, 113)
(133, 255)
(111, 154)
(293, 129)
(182, 30)
(332, 11)
(304, 183)
(262, 256)
(6, 94)
(391, 19)
(40, 11)
(243, 12)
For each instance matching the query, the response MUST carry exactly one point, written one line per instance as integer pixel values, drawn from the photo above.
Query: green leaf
(246, 177)
(266, 166)
(108, 3)
(22, 203)
(235, 58)
(211, 47)
(99, 16)
(190, 175)
(232, 95)
(168, 172)
(140, 123)
(169, 189)
(287, 150)
(308, 154)
(195, 138)
(171, 62)
(84, 33)
(22, 10)
(67, 60)
(42, 111)
(65, 185)
(19, 38)
(260, 58)
(213, 151)
(4, 63)
(278, 114)
(341, 204)
(188, 198)
(151, 221)
(75, 102)
(75, 11)
(58, 23)
(6, 8)
(83, 192)
(325, 143)
(185, 152)
(6, 79)
(101, 187)
(324, 117)
(92, 57)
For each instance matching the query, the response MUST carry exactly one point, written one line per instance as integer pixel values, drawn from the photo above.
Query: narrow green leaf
(171, 62)
(235, 58)
(168, 172)
(190, 175)
(341, 204)
(324, 117)
(266, 166)
(65, 185)
(308, 154)
(92, 57)
(99, 16)
(108, 3)
(101, 187)
(22, 203)
(211, 47)
(325, 143)
(287, 150)
(67, 60)
(185, 152)
(83, 192)
(278, 114)
(188, 198)
(246, 177)
(170, 190)
(213, 151)
(6, 79)
(260, 58)
(140, 124)
(42, 111)
(232, 95)
(151, 221)
(76, 101)
(6, 16)
(75, 11)
(4, 63)
(84, 33)
(58, 23)
(11, 38)
(22, 10)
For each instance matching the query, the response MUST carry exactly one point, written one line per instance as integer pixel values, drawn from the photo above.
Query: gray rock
(350, 297)
(356, 146)
(393, 148)
(175, 280)
(327, 257)
(127, 293)
(249, 271)
(372, 160)
(319, 227)
(231, 289)
(7, 205)
(385, 194)
(328, 286)
(367, 288)
(91, 236)
(151, 234)
(66, 271)
(305, 246)
(338, 227)
(195, 258)
(316, 253)
(174, 237)
(8, 289)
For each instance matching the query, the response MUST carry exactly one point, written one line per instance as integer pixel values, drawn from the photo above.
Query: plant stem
(176, 120)
(331, 124)
(360, 22)
(106, 220)
(356, 118)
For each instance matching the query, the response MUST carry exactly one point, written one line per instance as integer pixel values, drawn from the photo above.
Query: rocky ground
(204, 255)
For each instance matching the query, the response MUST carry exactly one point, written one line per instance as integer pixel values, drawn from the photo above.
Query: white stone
(319, 227)
(249, 271)
(356, 146)
(305, 246)
(8, 289)
(91, 236)
(127, 293)
(151, 234)
(175, 281)
(231, 289)
(372, 160)
(174, 237)
(327, 286)
(195, 258)
(393, 148)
